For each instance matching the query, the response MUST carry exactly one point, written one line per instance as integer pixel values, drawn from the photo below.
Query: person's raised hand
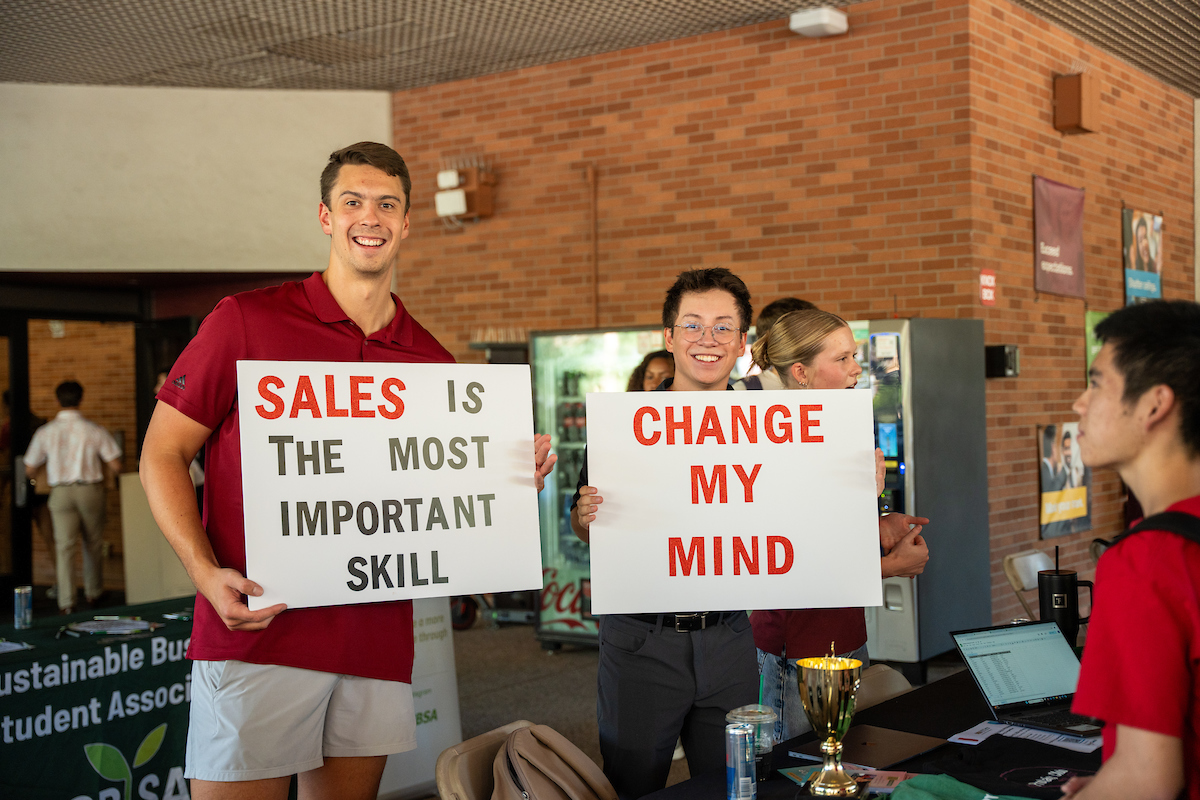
(543, 460)
(584, 513)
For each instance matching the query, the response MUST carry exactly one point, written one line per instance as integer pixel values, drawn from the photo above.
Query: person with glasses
(664, 677)
(813, 349)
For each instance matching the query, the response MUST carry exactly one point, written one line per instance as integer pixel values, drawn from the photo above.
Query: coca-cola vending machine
(566, 366)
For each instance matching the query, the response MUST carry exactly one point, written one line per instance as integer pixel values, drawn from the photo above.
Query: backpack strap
(1177, 522)
(753, 382)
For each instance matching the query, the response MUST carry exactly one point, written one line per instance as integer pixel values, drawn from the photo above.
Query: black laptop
(1027, 672)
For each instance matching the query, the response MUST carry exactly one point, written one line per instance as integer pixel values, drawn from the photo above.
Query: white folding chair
(1022, 571)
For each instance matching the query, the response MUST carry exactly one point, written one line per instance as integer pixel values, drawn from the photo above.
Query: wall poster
(1057, 238)
(1143, 255)
(1065, 483)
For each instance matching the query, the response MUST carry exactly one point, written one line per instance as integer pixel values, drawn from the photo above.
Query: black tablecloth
(95, 715)
(999, 765)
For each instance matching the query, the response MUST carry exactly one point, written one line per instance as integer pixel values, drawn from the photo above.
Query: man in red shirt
(323, 692)
(1141, 415)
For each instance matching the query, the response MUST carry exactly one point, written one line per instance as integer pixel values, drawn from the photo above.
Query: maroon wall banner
(1057, 238)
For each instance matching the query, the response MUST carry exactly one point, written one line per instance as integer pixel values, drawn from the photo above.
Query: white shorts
(253, 721)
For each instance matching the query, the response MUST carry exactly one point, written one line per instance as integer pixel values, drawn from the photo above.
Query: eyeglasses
(722, 332)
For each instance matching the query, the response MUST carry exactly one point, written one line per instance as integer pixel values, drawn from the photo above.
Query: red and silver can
(739, 762)
(23, 607)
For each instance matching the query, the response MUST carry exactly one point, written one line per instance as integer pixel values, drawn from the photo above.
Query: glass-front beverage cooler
(927, 380)
(566, 366)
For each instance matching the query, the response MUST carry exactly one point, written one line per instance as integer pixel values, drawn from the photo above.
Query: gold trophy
(828, 686)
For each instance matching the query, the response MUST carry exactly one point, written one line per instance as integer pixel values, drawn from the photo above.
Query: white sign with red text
(364, 482)
(720, 501)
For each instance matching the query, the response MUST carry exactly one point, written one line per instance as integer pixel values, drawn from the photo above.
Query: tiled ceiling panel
(1161, 37)
(393, 45)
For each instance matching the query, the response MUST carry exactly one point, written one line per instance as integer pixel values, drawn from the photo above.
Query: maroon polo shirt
(292, 322)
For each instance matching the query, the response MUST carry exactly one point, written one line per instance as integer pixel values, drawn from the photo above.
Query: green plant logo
(111, 765)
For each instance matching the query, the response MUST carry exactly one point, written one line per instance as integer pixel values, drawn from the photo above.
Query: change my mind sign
(369, 481)
(717, 501)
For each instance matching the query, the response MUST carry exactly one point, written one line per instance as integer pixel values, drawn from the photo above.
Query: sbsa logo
(111, 764)
(426, 716)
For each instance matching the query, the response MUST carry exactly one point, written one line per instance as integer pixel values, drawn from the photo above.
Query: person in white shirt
(76, 452)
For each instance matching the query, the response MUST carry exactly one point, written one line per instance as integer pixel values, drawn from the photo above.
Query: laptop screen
(1020, 663)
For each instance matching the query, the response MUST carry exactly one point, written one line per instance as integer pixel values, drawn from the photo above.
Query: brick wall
(100, 356)
(1142, 156)
(876, 171)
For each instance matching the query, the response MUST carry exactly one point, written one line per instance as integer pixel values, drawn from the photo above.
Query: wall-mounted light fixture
(464, 194)
(818, 22)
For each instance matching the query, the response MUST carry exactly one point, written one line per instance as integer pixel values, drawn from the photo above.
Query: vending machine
(566, 366)
(927, 380)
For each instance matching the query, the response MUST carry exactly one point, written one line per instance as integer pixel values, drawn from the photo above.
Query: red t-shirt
(806, 633)
(1142, 658)
(292, 322)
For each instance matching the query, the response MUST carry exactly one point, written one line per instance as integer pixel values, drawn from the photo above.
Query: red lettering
(331, 408)
(710, 488)
(710, 426)
(749, 426)
(388, 390)
(684, 425)
(568, 588)
(357, 396)
(740, 556)
(747, 480)
(275, 400)
(305, 398)
(551, 590)
(783, 432)
(677, 558)
(773, 566)
(718, 556)
(806, 423)
(639, 423)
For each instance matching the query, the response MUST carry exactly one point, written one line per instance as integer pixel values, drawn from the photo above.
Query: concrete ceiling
(392, 45)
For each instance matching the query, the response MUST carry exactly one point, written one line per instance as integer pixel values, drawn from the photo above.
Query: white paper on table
(976, 734)
(1080, 744)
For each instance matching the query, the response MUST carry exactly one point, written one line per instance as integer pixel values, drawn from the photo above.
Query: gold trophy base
(832, 780)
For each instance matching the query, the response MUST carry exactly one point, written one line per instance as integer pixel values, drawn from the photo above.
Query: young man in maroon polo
(1140, 415)
(323, 692)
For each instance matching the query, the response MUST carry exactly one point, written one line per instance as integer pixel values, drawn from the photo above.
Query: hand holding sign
(225, 588)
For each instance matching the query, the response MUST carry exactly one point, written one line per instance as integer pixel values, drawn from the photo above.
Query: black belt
(686, 622)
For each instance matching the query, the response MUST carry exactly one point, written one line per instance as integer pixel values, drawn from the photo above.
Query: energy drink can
(739, 762)
(23, 607)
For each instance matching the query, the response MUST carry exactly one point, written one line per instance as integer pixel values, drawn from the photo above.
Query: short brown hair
(372, 154)
(776, 309)
(698, 281)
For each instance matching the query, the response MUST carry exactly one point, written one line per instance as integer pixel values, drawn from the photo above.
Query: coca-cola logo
(563, 599)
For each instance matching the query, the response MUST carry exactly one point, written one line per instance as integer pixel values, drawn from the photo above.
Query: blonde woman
(813, 349)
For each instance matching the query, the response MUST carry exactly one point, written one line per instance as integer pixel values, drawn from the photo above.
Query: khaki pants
(74, 509)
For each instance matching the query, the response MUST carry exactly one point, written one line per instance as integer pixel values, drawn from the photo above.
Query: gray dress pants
(657, 685)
